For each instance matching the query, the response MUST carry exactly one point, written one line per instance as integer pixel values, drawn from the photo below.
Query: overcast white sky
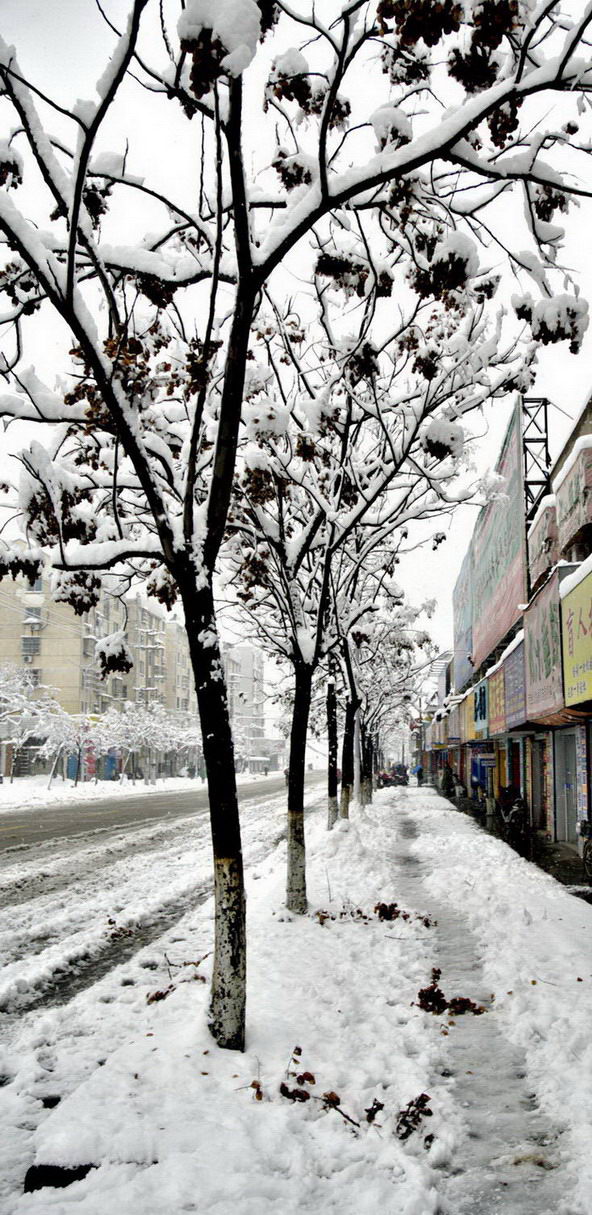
(65, 45)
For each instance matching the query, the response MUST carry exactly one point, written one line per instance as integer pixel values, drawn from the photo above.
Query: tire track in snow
(57, 874)
(91, 959)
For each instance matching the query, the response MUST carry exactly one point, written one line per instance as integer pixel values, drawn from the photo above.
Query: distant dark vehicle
(514, 817)
(400, 774)
(384, 780)
(397, 776)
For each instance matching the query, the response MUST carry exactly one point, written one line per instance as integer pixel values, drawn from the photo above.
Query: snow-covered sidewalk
(351, 1096)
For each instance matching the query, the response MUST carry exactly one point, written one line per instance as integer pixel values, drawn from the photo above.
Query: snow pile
(331, 997)
(536, 944)
(236, 23)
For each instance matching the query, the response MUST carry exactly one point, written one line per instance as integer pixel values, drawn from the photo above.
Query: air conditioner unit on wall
(27, 657)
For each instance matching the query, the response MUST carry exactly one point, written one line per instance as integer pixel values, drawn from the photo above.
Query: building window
(35, 674)
(30, 645)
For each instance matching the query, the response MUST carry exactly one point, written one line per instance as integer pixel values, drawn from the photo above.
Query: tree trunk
(55, 767)
(296, 880)
(228, 991)
(332, 807)
(357, 757)
(369, 767)
(365, 766)
(347, 759)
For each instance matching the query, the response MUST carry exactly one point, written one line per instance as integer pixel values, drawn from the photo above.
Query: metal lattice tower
(535, 453)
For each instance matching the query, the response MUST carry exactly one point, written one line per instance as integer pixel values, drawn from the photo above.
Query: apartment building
(179, 685)
(244, 666)
(58, 648)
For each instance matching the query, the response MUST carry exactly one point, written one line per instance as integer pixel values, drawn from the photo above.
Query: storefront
(497, 725)
(572, 751)
(467, 734)
(512, 761)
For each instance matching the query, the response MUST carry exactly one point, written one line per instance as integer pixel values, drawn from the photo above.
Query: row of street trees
(139, 736)
(271, 365)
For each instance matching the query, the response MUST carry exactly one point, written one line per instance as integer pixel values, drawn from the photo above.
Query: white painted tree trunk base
(296, 900)
(332, 813)
(345, 801)
(228, 993)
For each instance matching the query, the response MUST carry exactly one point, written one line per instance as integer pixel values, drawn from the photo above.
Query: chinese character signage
(581, 772)
(499, 553)
(515, 688)
(454, 725)
(542, 639)
(480, 709)
(543, 545)
(496, 702)
(576, 616)
(573, 493)
(467, 718)
(462, 607)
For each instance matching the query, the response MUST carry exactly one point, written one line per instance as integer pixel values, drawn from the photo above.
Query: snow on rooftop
(545, 503)
(584, 443)
(569, 584)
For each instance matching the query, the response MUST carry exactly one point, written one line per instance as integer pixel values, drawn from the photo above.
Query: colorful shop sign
(496, 699)
(467, 718)
(542, 639)
(576, 617)
(480, 714)
(515, 688)
(573, 492)
(581, 773)
(454, 725)
(499, 553)
(462, 610)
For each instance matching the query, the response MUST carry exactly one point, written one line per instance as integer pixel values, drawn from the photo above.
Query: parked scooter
(514, 817)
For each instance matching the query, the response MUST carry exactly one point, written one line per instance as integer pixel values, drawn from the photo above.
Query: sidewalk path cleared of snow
(172, 1124)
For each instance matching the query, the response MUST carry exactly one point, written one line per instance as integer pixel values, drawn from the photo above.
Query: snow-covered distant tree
(134, 472)
(385, 661)
(26, 710)
(152, 730)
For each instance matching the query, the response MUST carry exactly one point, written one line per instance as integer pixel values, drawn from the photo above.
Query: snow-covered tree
(134, 473)
(148, 730)
(346, 445)
(27, 710)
